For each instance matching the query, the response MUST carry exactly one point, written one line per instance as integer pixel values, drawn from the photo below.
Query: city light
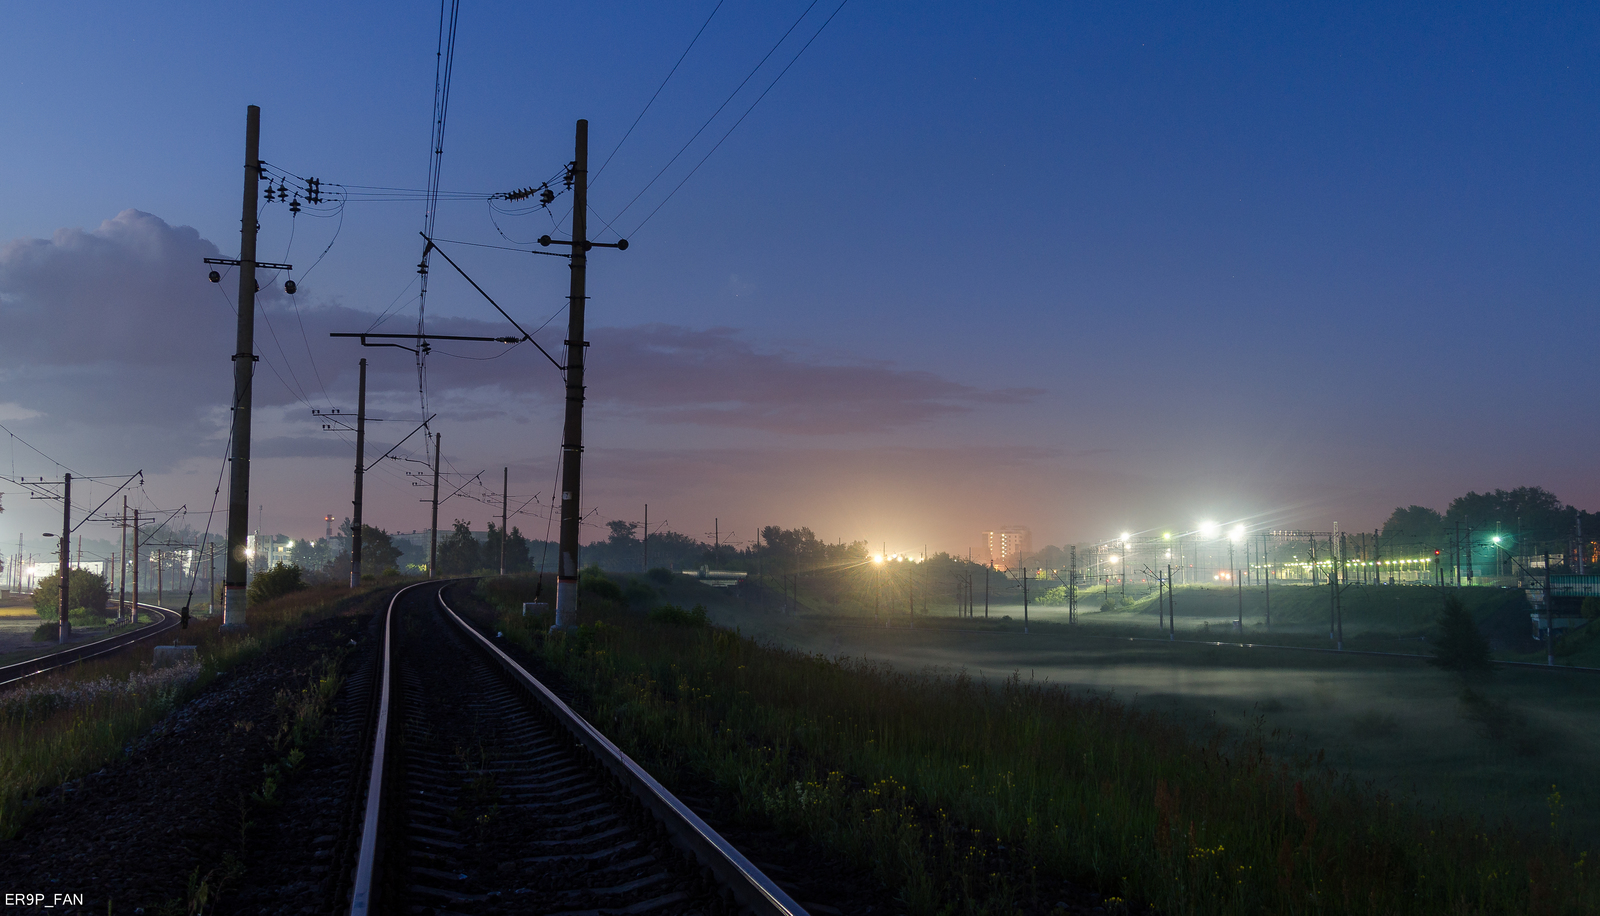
(1496, 539)
(1166, 536)
(1238, 533)
(1111, 559)
(877, 558)
(1125, 536)
(1209, 529)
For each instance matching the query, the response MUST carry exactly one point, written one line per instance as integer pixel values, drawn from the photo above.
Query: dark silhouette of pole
(237, 570)
(505, 499)
(1172, 626)
(361, 461)
(1549, 617)
(433, 531)
(133, 609)
(986, 570)
(645, 566)
(1338, 603)
(66, 548)
(122, 564)
(572, 429)
(1266, 581)
(1024, 599)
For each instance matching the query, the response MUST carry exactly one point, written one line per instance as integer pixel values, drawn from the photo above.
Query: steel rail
(54, 661)
(749, 886)
(366, 859)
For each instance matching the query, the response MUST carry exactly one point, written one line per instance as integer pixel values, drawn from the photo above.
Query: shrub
(274, 583)
(678, 617)
(593, 581)
(638, 594)
(1591, 607)
(1461, 646)
(86, 590)
(661, 575)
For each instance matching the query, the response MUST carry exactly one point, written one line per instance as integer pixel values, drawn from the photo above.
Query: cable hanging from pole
(444, 65)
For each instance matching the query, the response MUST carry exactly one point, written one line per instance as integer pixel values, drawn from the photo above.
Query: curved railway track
(44, 664)
(485, 793)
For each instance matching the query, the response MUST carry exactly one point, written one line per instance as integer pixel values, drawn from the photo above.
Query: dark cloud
(714, 377)
(116, 332)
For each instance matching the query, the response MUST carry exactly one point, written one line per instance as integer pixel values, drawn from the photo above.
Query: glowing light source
(877, 558)
(1166, 536)
(1111, 559)
(1496, 539)
(1209, 529)
(1237, 533)
(1124, 538)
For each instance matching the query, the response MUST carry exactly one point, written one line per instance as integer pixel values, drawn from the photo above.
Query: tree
(459, 552)
(517, 559)
(1414, 525)
(276, 582)
(1461, 647)
(378, 554)
(86, 590)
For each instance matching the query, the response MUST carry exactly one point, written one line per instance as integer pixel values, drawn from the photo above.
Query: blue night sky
(1085, 267)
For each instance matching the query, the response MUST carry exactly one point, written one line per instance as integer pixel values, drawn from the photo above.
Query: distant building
(1009, 545)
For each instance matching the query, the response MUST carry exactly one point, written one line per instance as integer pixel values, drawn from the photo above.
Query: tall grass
(971, 796)
(74, 722)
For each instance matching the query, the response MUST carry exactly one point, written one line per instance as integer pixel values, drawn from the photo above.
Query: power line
(653, 97)
(714, 114)
(741, 119)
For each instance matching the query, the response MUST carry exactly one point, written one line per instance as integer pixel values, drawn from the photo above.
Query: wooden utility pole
(233, 606)
(572, 429)
(66, 547)
(433, 532)
(505, 499)
(361, 461)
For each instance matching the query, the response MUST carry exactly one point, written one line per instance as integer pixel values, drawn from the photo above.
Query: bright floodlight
(1208, 529)
(1238, 533)
(877, 558)
(1496, 539)
(1125, 536)
(1166, 536)
(1111, 560)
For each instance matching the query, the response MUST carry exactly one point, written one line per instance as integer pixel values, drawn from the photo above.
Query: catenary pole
(572, 429)
(233, 607)
(361, 462)
(433, 531)
(505, 499)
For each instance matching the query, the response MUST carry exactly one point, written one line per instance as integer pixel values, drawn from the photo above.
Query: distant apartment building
(1009, 545)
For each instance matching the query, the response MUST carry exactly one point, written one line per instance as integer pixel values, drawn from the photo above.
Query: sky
(1088, 267)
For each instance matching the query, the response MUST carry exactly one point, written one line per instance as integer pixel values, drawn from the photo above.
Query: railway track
(44, 664)
(485, 793)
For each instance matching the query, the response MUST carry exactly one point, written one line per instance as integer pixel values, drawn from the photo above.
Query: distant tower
(329, 520)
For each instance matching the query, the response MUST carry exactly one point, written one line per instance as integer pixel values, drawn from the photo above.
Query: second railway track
(488, 795)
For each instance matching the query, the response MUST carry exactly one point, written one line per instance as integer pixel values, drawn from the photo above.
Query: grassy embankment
(75, 721)
(968, 796)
